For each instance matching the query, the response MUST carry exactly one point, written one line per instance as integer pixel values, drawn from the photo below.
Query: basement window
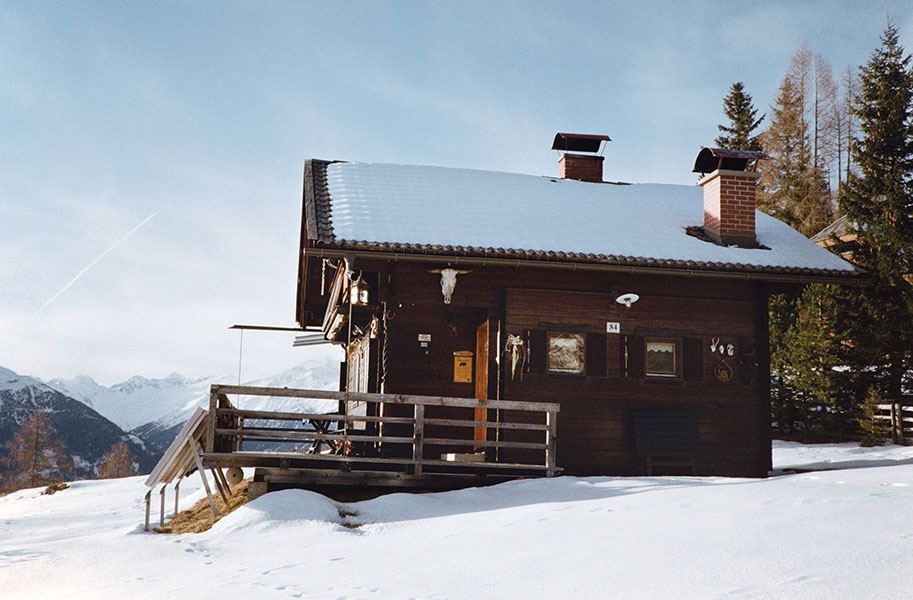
(662, 358)
(566, 353)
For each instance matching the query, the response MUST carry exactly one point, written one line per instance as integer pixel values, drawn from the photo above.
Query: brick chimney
(729, 195)
(583, 167)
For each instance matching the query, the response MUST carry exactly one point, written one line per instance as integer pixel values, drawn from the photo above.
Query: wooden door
(481, 378)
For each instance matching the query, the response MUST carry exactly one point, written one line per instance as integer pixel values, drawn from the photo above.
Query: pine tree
(844, 120)
(814, 399)
(742, 122)
(35, 457)
(878, 201)
(824, 118)
(117, 462)
(794, 185)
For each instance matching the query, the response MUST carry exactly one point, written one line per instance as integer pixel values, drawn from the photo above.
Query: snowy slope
(841, 532)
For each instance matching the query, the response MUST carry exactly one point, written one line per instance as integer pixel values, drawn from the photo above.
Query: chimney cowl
(730, 191)
(582, 167)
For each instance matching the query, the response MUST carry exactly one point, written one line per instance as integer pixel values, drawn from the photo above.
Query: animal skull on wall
(448, 281)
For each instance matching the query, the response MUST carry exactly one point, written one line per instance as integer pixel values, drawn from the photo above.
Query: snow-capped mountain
(171, 400)
(156, 409)
(138, 400)
(86, 434)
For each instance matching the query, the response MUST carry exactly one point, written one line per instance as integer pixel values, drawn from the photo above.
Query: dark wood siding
(595, 430)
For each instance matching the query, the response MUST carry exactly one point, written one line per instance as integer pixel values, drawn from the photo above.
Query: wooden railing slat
(492, 424)
(485, 443)
(387, 398)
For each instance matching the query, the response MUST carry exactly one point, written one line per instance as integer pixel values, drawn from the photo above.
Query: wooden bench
(667, 438)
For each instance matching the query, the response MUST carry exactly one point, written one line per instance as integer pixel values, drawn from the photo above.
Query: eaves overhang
(568, 261)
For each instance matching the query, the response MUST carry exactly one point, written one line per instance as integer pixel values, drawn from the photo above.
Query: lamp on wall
(359, 291)
(627, 299)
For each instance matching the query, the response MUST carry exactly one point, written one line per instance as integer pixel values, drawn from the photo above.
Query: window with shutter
(692, 359)
(662, 357)
(537, 350)
(632, 356)
(596, 355)
(566, 352)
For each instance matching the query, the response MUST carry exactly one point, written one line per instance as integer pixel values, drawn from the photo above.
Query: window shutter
(537, 350)
(635, 350)
(693, 359)
(596, 354)
(343, 375)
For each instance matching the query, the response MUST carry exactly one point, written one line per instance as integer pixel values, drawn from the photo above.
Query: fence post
(899, 410)
(213, 409)
(148, 502)
(551, 435)
(418, 436)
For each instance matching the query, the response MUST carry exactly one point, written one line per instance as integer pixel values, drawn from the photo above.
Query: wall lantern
(627, 299)
(358, 293)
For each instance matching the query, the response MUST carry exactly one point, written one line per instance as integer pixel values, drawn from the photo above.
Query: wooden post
(177, 495)
(162, 505)
(199, 464)
(213, 409)
(896, 417)
(899, 410)
(551, 435)
(148, 502)
(225, 483)
(215, 477)
(418, 438)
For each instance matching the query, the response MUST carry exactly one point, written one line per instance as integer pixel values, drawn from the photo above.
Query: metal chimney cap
(711, 159)
(579, 142)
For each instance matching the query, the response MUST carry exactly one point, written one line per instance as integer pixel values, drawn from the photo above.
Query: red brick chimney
(583, 167)
(729, 195)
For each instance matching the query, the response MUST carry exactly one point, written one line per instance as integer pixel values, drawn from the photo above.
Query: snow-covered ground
(844, 529)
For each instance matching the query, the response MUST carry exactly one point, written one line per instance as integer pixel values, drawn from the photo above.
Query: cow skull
(448, 281)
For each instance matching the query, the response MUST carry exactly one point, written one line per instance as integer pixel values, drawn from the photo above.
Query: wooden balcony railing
(232, 429)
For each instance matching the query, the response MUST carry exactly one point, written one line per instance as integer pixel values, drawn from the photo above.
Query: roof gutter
(857, 280)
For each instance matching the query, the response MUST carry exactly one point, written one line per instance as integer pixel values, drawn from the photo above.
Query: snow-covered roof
(441, 210)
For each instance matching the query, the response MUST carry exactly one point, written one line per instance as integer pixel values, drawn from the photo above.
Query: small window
(566, 353)
(663, 358)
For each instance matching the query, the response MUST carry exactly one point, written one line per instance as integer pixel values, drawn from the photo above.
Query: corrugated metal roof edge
(572, 260)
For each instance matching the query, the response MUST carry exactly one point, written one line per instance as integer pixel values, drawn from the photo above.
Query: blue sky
(202, 114)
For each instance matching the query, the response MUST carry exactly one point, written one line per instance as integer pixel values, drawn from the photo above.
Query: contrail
(92, 264)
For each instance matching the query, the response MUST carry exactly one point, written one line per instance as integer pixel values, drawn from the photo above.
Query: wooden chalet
(500, 325)
(641, 310)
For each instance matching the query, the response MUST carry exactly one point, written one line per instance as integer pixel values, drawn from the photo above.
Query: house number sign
(611, 327)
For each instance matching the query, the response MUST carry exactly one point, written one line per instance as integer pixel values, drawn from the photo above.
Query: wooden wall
(595, 432)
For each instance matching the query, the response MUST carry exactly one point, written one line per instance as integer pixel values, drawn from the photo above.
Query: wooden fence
(898, 416)
(232, 429)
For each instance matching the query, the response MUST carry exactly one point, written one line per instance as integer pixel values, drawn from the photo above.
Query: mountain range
(146, 413)
(86, 434)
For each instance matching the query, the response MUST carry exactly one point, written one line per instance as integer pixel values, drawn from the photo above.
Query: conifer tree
(878, 202)
(35, 458)
(794, 186)
(813, 399)
(844, 120)
(117, 462)
(742, 122)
